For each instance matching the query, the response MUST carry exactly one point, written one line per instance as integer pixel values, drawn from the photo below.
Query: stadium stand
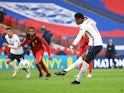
(100, 8)
(108, 28)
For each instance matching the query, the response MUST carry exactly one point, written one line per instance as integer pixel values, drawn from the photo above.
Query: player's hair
(31, 28)
(79, 15)
(9, 28)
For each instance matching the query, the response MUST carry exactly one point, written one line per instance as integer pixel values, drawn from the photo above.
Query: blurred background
(54, 20)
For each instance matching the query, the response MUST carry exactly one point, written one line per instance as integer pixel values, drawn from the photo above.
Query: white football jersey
(89, 28)
(13, 43)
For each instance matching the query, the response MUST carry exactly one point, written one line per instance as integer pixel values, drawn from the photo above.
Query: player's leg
(108, 57)
(37, 62)
(81, 52)
(45, 69)
(80, 66)
(90, 70)
(39, 67)
(9, 60)
(40, 53)
(90, 54)
(10, 63)
(20, 58)
(28, 74)
(81, 72)
(112, 57)
(74, 65)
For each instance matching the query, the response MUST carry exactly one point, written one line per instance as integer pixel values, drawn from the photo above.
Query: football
(24, 64)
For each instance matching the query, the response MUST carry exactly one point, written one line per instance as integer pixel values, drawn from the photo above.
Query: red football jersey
(83, 45)
(84, 41)
(37, 42)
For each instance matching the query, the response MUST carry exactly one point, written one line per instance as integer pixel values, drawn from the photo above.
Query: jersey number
(33, 44)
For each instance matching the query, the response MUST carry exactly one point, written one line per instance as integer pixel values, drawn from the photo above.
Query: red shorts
(38, 55)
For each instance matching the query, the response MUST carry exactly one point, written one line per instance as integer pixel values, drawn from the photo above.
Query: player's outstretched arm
(25, 40)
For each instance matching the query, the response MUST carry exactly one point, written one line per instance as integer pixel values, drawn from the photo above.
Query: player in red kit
(83, 47)
(37, 44)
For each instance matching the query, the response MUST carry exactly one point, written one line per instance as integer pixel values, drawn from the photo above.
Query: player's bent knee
(8, 61)
(37, 63)
(86, 59)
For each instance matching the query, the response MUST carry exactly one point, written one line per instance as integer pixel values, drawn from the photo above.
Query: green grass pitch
(103, 81)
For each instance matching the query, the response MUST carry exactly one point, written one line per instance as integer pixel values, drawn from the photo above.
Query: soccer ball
(24, 64)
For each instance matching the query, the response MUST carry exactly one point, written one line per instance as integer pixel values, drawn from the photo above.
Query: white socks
(12, 66)
(75, 64)
(27, 71)
(82, 71)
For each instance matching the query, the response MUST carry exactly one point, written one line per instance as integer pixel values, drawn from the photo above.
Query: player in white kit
(16, 52)
(89, 28)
